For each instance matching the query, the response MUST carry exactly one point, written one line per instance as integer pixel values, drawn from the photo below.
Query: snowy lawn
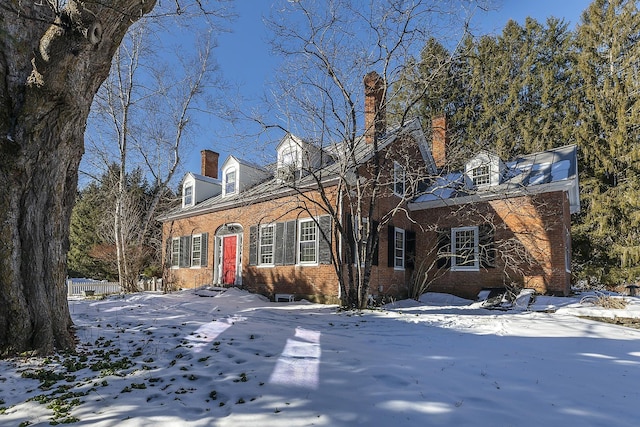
(234, 359)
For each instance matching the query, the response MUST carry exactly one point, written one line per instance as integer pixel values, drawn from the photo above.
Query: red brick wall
(317, 282)
(530, 222)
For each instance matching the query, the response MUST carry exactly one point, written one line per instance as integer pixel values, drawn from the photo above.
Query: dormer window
(187, 195)
(230, 181)
(289, 157)
(481, 175)
(484, 170)
(288, 164)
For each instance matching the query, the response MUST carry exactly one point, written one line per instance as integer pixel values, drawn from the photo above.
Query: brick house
(497, 224)
(270, 230)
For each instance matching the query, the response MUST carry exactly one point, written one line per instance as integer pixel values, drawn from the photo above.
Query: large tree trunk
(51, 65)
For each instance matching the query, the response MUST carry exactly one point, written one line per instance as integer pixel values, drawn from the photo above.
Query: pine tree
(608, 233)
(92, 248)
(518, 86)
(85, 224)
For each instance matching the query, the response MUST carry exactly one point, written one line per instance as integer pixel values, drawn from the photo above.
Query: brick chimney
(374, 108)
(209, 165)
(440, 140)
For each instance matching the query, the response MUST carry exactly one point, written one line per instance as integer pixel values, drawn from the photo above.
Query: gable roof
(272, 187)
(542, 172)
(202, 178)
(242, 162)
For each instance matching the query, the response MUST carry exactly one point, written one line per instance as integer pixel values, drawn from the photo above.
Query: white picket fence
(82, 288)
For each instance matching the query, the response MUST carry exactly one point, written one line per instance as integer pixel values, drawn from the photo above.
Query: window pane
(399, 249)
(196, 250)
(175, 252)
(266, 244)
(230, 182)
(465, 248)
(481, 175)
(307, 242)
(188, 195)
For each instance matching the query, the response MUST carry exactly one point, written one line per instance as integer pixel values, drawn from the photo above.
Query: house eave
(487, 196)
(243, 201)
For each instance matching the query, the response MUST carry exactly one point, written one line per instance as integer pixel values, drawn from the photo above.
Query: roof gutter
(564, 185)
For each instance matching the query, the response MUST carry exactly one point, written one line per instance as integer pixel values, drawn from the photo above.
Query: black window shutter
(204, 241)
(278, 256)
(410, 249)
(391, 246)
(444, 248)
(350, 243)
(253, 245)
(376, 252)
(487, 248)
(185, 251)
(290, 242)
(324, 245)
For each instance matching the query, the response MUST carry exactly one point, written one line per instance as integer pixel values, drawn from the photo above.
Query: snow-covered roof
(542, 172)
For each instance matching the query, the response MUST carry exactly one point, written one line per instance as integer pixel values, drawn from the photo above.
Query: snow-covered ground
(234, 359)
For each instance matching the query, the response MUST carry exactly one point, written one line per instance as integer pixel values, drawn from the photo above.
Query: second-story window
(230, 181)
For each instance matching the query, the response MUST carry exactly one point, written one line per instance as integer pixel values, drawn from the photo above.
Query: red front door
(229, 244)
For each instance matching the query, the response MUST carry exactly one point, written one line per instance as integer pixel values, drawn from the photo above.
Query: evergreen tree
(518, 86)
(608, 232)
(429, 86)
(92, 246)
(85, 224)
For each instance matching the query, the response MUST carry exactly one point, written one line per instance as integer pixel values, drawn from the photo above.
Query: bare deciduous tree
(54, 55)
(328, 48)
(142, 118)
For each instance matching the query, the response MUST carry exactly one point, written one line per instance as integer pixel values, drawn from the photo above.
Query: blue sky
(244, 57)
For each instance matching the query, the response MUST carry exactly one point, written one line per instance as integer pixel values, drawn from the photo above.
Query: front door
(229, 249)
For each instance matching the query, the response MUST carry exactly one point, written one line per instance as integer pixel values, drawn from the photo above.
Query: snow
(229, 358)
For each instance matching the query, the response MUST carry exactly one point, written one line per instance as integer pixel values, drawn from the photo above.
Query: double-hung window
(188, 195)
(481, 175)
(196, 250)
(464, 249)
(399, 177)
(230, 181)
(399, 248)
(266, 245)
(308, 242)
(175, 252)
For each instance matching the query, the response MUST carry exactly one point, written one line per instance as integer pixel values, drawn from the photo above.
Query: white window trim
(191, 186)
(485, 176)
(225, 183)
(260, 245)
(454, 248)
(404, 248)
(396, 168)
(289, 157)
(175, 262)
(317, 241)
(199, 261)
